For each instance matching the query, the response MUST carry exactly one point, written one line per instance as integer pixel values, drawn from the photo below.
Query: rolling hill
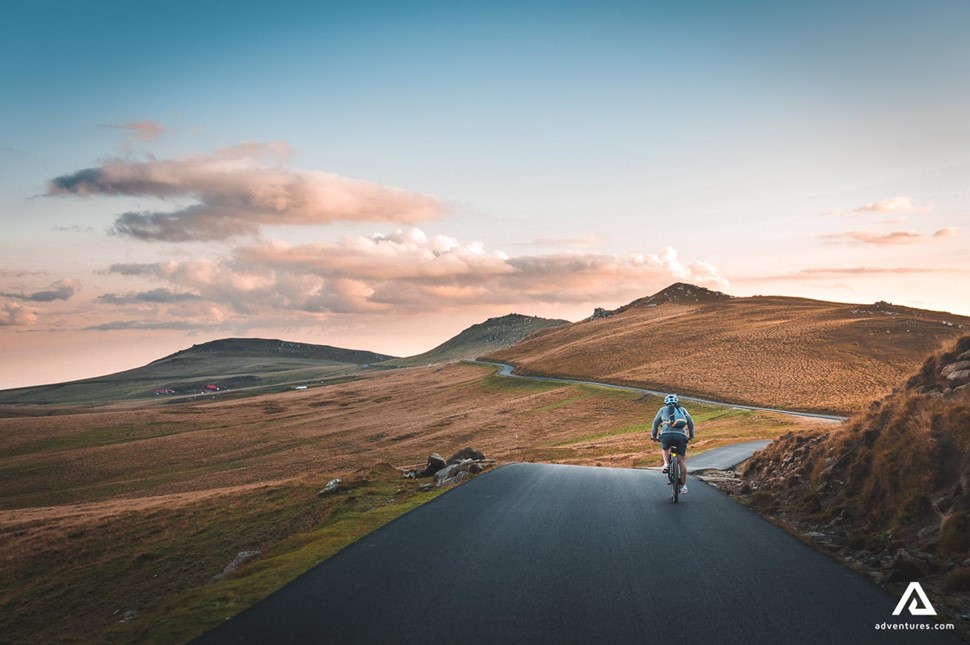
(480, 339)
(256, 364)
(775, 351)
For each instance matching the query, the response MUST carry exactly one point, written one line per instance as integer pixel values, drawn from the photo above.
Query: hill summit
(679, 292)
(479, 339)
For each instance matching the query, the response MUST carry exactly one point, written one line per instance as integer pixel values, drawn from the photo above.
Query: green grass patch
(192, 613)
(494, 382)
(629, 429)
(147, 576)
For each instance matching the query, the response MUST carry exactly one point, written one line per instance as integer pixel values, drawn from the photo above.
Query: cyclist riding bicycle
(677, 429)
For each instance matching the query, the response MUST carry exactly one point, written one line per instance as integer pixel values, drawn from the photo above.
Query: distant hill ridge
(269, 347)
(793, 353)
(259, 365)
(479, 339)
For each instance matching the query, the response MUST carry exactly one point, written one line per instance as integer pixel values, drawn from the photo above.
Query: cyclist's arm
(656, 424)
(690, 426)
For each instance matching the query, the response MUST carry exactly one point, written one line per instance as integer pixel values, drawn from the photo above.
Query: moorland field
(115, 519)
(123, 498)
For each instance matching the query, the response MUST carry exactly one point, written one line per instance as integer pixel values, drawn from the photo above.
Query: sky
(382, 175)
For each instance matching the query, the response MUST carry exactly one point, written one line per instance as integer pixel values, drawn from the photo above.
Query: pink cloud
(238, 190)
(895, 205)
(15, 314)
(895, 237)
(409, 272)
(851, 272)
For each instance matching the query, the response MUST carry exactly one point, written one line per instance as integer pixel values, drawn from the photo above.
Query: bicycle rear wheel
(674, 478)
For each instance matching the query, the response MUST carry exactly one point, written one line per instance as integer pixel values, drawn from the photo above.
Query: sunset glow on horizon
(382, 177)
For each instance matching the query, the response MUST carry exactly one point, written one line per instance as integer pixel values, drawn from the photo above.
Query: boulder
(906, 567)
(446, 472)
(465, 453)
(457, 479)
(961, 375)
(956, 367)
(435, 463)
(241, 558)
(332, 487)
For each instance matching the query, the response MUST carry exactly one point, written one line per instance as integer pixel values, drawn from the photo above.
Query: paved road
(726, 457)
(539, 553)
(508, 370)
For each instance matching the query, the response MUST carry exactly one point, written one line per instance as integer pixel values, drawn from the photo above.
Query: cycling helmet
(671, 398)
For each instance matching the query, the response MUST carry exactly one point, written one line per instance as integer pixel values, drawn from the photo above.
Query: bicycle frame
(673, 475)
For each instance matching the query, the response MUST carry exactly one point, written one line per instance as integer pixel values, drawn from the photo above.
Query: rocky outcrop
(456, 469)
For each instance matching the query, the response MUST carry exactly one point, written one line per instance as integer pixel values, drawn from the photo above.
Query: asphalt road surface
(539, 553)
(723, 458)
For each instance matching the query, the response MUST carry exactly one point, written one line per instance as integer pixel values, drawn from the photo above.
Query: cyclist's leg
(682, 459)
(665, 452)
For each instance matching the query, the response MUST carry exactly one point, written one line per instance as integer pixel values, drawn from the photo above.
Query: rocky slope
(890, 492)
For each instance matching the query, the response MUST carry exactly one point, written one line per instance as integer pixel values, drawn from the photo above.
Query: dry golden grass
(770, 351)
(135, 508)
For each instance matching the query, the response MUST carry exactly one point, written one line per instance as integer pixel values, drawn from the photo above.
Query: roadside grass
(147, 576)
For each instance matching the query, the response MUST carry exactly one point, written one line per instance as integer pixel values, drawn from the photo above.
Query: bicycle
(673, 474)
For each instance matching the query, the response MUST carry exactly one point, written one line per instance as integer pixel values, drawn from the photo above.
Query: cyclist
(677, 430)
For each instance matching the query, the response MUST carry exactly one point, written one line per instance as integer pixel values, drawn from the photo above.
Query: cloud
(142, 130)
(151, 325)
(895, 205)
(63, 289)
(14, 314)
(410, 272)
(588, 241)
(852, 272)
(895, 237)
(237, 190)
(152, 296)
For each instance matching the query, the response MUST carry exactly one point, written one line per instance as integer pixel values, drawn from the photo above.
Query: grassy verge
(147, 576)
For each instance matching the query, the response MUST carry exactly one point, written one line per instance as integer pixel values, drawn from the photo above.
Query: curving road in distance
(508, 370)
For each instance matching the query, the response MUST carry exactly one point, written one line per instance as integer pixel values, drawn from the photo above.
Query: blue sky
(762, 142)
